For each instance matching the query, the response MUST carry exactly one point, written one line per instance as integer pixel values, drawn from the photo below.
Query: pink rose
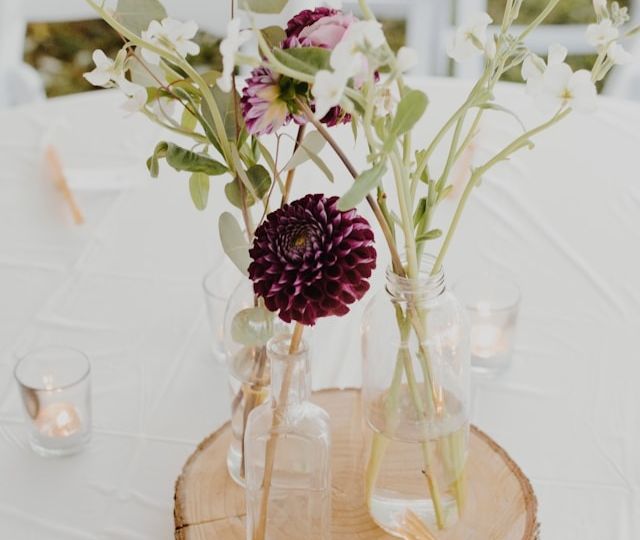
(321, 27)
(327, 32)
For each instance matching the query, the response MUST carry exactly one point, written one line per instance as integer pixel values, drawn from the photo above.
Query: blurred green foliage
(62, 52)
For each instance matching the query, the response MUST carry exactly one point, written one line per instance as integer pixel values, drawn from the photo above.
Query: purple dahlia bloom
(310, 260)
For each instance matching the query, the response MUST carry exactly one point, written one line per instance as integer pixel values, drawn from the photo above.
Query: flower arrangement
(312, 258)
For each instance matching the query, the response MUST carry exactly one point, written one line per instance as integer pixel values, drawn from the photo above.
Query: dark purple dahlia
(310, 260)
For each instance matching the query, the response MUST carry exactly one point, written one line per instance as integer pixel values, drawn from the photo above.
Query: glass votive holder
(55, 387)
(492, 301)
(218, 285)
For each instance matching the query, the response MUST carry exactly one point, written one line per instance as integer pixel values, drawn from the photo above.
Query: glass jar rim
(278, 347)
(21, 360)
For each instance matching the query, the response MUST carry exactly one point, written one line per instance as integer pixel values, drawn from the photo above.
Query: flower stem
(396, 262)
(292, 173)
(260, 531)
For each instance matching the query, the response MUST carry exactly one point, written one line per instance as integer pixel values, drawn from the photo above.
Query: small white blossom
(349, 58)
(407, 59)
(136, 96)
(229, 47)
(171, 35)
(562, 87)
(108, 72)
(619, 15)
(602, 34)
(328, 90)
(534, 67)
(471, 39)
(385, 102)
(618, 55)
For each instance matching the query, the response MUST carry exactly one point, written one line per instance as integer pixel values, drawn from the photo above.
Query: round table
(126, 289)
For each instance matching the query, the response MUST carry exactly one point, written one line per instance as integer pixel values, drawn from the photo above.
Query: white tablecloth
(125, 288)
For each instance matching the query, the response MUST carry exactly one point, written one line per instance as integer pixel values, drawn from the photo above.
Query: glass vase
(287, 449)
(416, 401)
(248, 327)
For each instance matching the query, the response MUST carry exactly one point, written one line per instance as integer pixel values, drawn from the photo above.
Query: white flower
(107, 72)
(349, 58)
(407, 59)
(136, 96)
(328, 90)
(618, 55)
(602, 34)
(385, 101)
(534, 67)
(562, 87)
(368, 32)
(171, 35)
(471, 39)
(229, 47)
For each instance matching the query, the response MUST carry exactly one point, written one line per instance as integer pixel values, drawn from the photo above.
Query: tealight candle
(58, 420)
(492, 303)
(55, 389)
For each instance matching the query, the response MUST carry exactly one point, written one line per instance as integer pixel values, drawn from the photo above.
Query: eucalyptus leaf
(410, 109)
(234, 195)
(313, 143)
(367, 181)
(260, 180)
(273, 35)
(182, 159)
(234, 242)
(137, 14)
(252, 327)
(308, 60)
(272, 7)
(199, 189)
(420, 212)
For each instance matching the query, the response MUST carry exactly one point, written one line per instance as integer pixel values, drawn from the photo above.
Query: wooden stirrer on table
(53, 160)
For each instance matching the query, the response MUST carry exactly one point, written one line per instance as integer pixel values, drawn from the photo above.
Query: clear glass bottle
(248, 366)
(416, 401)
(288, 441)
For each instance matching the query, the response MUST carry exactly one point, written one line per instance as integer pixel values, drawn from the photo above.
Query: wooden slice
(210, 506)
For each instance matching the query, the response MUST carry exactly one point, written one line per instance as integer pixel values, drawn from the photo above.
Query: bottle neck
(427, 286)
(290, 373)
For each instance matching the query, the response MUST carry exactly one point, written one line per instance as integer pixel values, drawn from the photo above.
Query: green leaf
(308, 60)
(260, 180)
(264, 6)
(252, 327)
(234, 242)
(234, 126)
(313, 143)
(188, 121)
(234, 196)
(431, 235)
(500, 108)
(182, 159)
(199, 189)
(137, 14)
(421, 210)
(410, 109)
(362, 186)
(273, 35)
